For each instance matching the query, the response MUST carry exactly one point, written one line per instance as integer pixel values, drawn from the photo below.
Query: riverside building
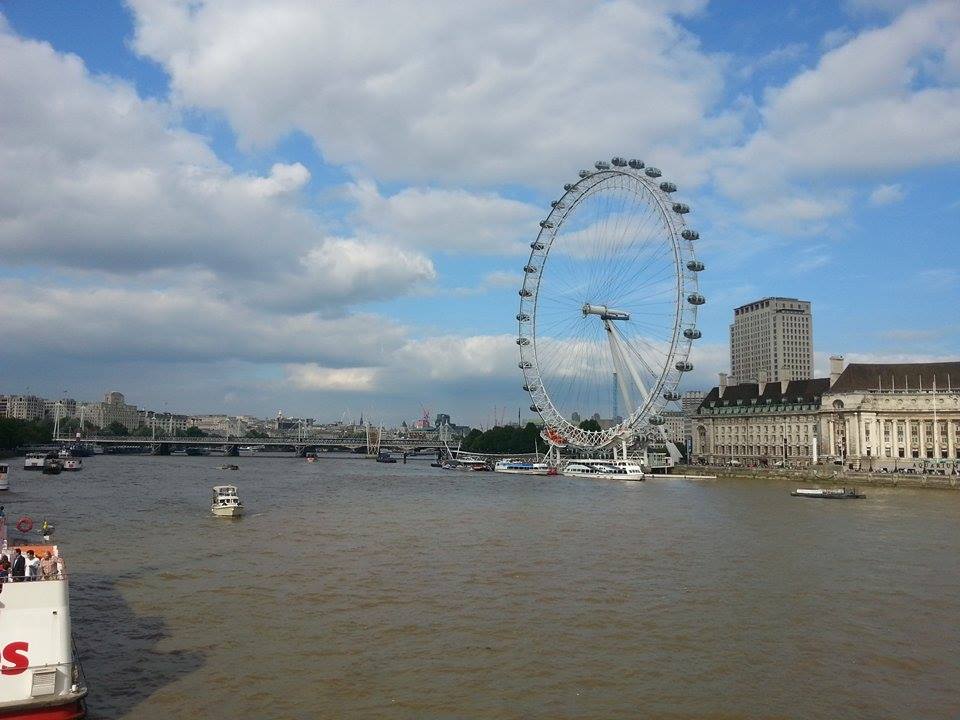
(772, 340)
(876, 416)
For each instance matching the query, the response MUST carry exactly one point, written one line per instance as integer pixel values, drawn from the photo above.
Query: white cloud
(93, 177)
(445, 220)
(498, 91)
(884, 101)
(314, 377)
(180, 324)
(282, 179)
(886, 195)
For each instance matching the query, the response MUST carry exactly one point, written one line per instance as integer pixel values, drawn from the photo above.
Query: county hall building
(872, 416)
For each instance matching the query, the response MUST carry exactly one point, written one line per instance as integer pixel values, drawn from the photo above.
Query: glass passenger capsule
(689, 234)
(653, 172)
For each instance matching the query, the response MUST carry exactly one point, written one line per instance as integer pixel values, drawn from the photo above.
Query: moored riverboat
(604, 469)
(72, 464)
(51, 466)
(41, 677)
(523, 467)
(34, 461)
(829, 493)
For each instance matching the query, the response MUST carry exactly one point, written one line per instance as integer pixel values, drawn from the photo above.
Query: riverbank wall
(824, 477)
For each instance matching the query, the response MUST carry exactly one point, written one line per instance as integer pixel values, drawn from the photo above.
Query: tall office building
(771, 340)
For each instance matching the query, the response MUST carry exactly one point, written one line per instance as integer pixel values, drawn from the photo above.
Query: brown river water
(354, 589)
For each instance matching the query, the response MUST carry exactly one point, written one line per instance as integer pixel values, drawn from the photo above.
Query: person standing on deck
(18, 569)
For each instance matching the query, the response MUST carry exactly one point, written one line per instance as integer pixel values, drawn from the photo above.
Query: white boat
(604, 469)
(226, 502)
(523, 467)
(64, 454)
(34, 461)
(72, 464)
(4, 483)
(829, 493)
(41, 676)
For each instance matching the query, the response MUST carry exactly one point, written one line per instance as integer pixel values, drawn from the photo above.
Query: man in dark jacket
(18, 569)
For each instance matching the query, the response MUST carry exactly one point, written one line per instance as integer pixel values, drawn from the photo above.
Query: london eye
(608, 306)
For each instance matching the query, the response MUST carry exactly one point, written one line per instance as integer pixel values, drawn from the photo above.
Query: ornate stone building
(892, 416)
(871, 416)
(759, 423)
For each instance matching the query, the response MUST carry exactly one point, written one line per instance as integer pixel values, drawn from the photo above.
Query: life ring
(25, 524)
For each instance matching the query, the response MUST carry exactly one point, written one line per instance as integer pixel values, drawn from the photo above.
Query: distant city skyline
(212, 218)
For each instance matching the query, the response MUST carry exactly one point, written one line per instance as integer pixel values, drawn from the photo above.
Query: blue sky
(322, 208)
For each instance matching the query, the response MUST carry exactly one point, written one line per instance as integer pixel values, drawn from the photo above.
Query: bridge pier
(160, 449)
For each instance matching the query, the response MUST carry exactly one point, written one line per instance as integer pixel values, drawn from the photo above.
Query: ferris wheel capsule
(602, 165)
(684, 366)
(671, 396)
(653, 172)
(619, 162)
(668, 187)
(523, 341)
(585, 173)
(568, 186)
(696, 299)
(523, 317)
(692, 334)
(681, 208)
(689, 234)
(636, 164)
(694, 265)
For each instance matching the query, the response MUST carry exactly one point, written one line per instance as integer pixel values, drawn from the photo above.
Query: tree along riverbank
(826, 477)
(18, 433)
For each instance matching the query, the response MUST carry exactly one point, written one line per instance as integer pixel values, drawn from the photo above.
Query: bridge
(231, 445)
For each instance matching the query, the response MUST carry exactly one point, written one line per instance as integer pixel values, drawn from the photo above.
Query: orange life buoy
(25, 524)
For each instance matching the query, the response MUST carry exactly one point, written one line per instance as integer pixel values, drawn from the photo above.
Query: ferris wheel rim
(683, 332)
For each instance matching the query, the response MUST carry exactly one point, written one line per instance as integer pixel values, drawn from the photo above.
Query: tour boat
(829, 494)
(4, 483)
(64, 454)
(604, 469)
(72, 464)
(226, 503)
(522, 467)
(41, 677)
(34, 461)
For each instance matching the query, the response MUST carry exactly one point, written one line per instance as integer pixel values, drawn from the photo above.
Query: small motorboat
(4, 483)
(52, 467)
(829, 493)
(228, 466)
(72, 464)
(311, 458)
(226, 502)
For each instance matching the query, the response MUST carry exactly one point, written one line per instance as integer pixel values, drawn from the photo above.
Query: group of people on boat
(26, 567)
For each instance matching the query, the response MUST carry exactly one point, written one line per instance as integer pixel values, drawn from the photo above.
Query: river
(354, 589)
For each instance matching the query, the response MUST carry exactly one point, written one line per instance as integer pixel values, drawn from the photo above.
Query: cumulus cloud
(499, 91)
(445, 220)
(886, 195)
(885, 100)
(180, 325)
(311, 376)
(93, 177)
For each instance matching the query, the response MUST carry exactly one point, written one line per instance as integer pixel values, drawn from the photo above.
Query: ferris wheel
(608, 306)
